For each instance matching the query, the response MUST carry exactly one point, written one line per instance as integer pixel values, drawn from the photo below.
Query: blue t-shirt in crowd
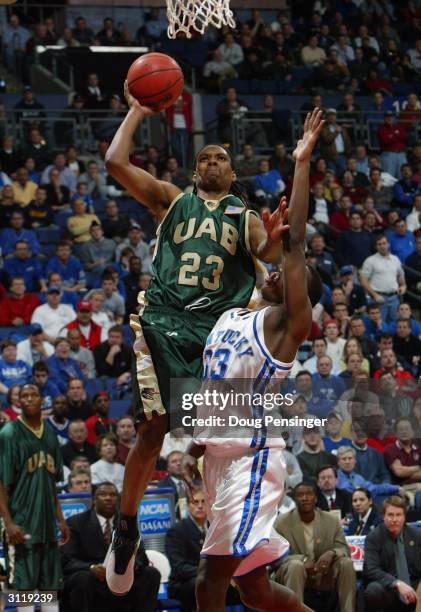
(330, 388)
(30, 269)
(14, 373)
(63, 370)
(269, 182)
(402, 246)
(9, 237)
(330, 445)
(71, 274)
(48, 392)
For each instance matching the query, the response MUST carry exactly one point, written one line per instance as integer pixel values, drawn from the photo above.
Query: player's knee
(250, 596)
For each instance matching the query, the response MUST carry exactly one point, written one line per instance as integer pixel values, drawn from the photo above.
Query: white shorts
(243, 494)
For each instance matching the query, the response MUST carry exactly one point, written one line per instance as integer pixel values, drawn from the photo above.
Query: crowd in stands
(76, 251)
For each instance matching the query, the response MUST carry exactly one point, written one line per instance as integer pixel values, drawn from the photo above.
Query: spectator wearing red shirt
(90, 332)
(339, 220)
(392, 140)
(17, 308)
(389, 363)
(403, 459)
(180, 121)
(99, 424)
(378, 436)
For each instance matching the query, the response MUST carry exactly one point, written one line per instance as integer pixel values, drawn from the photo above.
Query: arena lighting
(94, 49)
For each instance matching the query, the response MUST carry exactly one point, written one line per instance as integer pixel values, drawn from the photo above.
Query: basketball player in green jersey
(203, 265)
(30, 466)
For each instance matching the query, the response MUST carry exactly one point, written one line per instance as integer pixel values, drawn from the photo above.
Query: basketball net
(186, 15)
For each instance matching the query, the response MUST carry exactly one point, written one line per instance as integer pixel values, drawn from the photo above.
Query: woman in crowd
(352, 346)
(58, 196)
(366, 515)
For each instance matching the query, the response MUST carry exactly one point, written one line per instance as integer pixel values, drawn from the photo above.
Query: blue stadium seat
(118, 408)
(94, 386)
(61, 217)
(47, 235)
(264, 87)
(128, 334)
(242, 87)
(16, 333)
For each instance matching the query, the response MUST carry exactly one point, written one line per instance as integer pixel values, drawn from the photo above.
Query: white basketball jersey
(237, 361)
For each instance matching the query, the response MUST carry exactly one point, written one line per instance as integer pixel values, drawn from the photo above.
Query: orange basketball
(155, 80)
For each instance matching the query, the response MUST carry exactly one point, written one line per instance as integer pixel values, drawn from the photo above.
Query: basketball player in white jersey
(244, 476)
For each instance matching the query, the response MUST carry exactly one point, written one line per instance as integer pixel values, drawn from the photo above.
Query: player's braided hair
(236, 188)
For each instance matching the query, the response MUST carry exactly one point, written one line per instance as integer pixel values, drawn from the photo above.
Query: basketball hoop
(185, 15)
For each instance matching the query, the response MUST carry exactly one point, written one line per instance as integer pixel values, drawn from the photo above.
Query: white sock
(25, 609)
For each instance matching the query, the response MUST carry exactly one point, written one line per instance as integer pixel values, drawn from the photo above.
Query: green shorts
(169, 344)
(34, 566)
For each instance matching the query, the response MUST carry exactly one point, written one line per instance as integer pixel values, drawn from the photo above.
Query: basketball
(155, 80)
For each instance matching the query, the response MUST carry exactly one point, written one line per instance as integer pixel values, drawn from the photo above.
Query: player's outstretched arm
(157, 195)
(296, 311)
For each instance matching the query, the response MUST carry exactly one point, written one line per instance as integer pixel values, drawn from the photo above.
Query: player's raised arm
(157, 195)
(296, 311)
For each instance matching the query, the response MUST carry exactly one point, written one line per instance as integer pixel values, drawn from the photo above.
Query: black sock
(127, 525)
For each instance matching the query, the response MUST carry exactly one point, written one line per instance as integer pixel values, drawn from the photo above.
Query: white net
(187, 15)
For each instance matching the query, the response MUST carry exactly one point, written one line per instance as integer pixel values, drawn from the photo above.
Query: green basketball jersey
(30, 466)
(202, 257)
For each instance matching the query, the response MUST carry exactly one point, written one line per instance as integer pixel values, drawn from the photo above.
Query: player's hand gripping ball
(155, 80)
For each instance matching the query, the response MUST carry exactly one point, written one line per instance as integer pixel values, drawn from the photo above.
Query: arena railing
(60, 128)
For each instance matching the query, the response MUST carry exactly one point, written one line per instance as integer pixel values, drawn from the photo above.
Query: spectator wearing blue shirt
(67, 297)
(326, 386)
(63, 368)
(12, 371)
(47, 389)
(405, 190)
(333, 438)
(402, 241)
(68, 266)
(405, 312)
(268, 184)
(58, 419)
(349, 479)
(11, 235)
(370, 463)
(374, 324)
(24, 265)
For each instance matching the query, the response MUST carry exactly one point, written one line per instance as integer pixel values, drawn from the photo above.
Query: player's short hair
(314, 285)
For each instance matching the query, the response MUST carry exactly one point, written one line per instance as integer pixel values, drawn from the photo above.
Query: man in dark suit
(329, 497)
(392, 563)
(175, 481)
(83, 557)
(183, 544)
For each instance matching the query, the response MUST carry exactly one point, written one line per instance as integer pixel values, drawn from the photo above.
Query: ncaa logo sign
(154, 516)
(72, 509)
